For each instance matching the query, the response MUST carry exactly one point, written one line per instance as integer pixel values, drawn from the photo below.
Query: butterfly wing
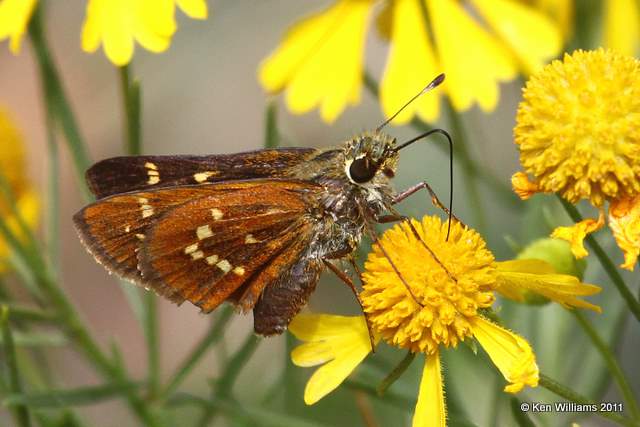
(125, 174)
(205, 243)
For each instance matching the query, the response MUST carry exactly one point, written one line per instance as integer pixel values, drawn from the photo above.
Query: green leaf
(72, 397)
(36, 339)
(20, 412)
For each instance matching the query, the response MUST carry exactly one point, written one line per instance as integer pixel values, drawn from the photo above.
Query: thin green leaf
(271, 134)
(20, 412)
(72, 397)
(395, 373)
(30, 314)
(35, 339)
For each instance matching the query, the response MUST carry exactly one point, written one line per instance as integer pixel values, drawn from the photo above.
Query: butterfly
(255, 229)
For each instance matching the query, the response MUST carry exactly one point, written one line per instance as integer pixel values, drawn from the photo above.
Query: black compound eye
(362, 169)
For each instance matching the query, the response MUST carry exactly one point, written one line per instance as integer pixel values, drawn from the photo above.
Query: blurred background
(201, 97)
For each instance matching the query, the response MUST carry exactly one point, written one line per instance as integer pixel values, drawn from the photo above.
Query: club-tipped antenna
(450, 140)
(434, 83)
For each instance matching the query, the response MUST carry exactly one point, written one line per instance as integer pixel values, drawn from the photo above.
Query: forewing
(125, 174)
(229, 243)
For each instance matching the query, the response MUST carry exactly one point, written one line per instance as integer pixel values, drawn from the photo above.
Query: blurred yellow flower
(14, 18)
(117, 24)
(577, 133)
(439, 304)
(12, 168)
(320, 60)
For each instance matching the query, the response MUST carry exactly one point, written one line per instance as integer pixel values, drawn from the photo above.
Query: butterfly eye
(362, 169)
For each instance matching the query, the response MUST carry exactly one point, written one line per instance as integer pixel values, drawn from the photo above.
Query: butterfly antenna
(450, 141)
(435, 83)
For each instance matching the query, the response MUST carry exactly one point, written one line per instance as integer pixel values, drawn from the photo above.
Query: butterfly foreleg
(434, 197)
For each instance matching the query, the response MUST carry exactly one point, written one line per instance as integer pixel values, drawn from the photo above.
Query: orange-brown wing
(203, 243)
(228, 245)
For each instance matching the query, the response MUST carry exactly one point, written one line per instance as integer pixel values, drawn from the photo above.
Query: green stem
(272, 136)
(132, 108)
(225, 384)
(606, 262)
(567, 393)
(192, 359)
(396, 373)
(20, 412)
(611, 362)
(53, 201)
(56, 100)
(461, 149)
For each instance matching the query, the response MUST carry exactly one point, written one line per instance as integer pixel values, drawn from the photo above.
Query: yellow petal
(154, 24)
(576, 233)
(91, 27)
(411, 61)
(473, 60)
(341, 341)
(14, 18)
(561, 11)
(522, 186)
(320, 60)
(196, 9)
(28, 208)
(532, 36)
(518, 276)
(624, 221)
(621, 26)
(430, 409)
(511, 354)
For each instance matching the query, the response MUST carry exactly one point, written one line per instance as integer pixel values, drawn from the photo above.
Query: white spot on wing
(203, 232)
(197, 255)
(151, 166)
(239, 271)
(191, 248)
(216, 214)
(203, 176)
(224, 265)
(212, 259)
(249, 239)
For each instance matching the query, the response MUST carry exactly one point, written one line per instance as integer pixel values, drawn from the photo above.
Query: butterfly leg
(347, 281)
(434, 197)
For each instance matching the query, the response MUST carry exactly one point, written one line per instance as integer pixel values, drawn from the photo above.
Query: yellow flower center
(578, 127)
(447, 284)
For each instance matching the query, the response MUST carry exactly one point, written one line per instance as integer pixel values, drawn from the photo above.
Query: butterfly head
(370, 157)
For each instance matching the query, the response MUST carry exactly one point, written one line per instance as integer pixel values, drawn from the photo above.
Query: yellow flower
(447, 285)
(14, 18)
(577, 132)
(320, 60)
(117, 24)
(12, 167)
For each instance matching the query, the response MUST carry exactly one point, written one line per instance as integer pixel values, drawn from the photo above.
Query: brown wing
(125, 174)
(218, 241)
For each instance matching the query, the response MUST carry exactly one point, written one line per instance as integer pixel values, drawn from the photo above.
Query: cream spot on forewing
(127, 229)
(211, 259)
(239, 271)
(224, 265)
(216, 214)
(152, 173)
(203, 176)
(203, 232)
(140, 236)
(143, 200)
(191, 248)
(197, 255)
(147, 210)
(249, 239)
